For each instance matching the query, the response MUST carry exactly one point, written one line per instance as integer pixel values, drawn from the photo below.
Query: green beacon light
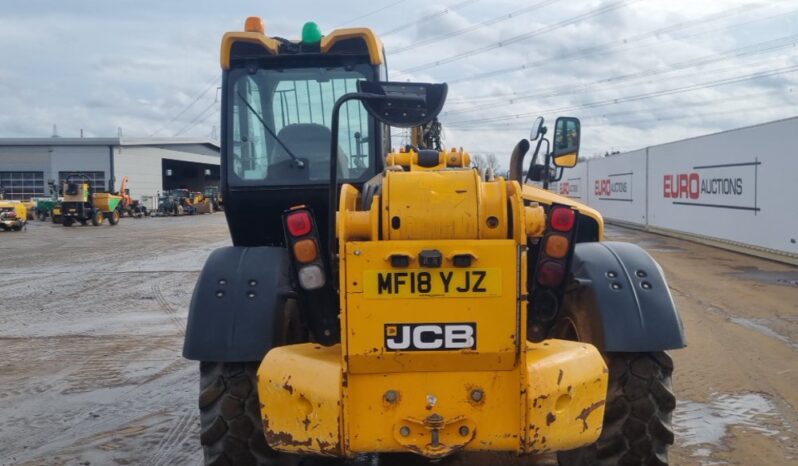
(311, 33)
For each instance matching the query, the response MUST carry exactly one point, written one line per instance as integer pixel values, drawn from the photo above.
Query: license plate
(420, 283)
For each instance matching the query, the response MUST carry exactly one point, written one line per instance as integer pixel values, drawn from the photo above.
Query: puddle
(757, 326)
(784, 278)
(705, 425)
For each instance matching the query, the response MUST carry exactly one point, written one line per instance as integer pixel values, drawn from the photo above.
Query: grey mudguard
(236, 311)
(623, 287)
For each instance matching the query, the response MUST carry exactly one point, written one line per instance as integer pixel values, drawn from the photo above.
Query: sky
(636, 72)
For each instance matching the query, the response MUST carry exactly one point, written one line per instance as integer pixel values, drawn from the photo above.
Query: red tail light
(562, 219)
(299, 223)
(551, 273)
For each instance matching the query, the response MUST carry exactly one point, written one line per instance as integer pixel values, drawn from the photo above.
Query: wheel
(230, 422)
(637, 419)
(67, 221)
(41, 216)
(113, 217)
(97, 217)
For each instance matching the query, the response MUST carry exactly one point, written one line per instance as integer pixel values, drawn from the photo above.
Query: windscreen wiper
(299, 163)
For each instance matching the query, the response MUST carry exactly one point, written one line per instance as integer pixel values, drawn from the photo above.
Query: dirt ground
(92, 322)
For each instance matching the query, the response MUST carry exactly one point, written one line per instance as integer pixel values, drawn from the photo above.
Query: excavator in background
(128, 207)
(399, 303)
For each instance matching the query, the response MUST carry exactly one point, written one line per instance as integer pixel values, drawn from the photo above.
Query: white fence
(737, 187)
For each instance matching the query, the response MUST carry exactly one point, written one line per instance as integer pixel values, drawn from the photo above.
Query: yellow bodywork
(543, 196)
(434, 359)
(371, 43)
(105, 201)
(19, 209)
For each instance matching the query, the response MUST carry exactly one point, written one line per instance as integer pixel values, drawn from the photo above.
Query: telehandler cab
(379, 302)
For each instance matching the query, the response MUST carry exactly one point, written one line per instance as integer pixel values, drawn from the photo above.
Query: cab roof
(255, 43)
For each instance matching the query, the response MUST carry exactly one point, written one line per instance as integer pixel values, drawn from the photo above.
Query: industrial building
(152, 165)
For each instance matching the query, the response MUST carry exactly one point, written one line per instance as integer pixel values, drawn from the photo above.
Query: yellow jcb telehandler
(386, 303)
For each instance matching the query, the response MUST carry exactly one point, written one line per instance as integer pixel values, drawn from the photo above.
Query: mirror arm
(333, 193)
(546, 169)
(534, 159)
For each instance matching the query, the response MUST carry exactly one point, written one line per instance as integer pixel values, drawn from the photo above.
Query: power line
(474, 27)
(610, 116)
(587, 124)
(520, 37)
(750, 50)
(615, 45)
(648, 95)
(187, 107)
(194, 122)
(374, 12)
(424, 19)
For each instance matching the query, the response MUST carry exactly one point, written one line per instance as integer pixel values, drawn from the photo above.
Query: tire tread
(232, 432)
(637, 425)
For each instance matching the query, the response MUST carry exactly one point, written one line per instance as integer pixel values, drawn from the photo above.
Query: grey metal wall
(54, 159)
(142, 165)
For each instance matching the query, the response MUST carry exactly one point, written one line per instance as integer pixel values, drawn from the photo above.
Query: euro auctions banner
(739, 185)
(573, 183)
(617, 187)
(722, 186)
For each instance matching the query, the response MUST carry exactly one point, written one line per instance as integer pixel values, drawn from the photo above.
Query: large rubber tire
(232, 431)
(114, 216)
(67, 221)
(637, 420)
(97, 217)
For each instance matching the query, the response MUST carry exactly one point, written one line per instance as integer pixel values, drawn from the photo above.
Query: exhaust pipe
(517, 160)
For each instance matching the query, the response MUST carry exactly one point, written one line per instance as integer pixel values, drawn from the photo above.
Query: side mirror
(403, 105)
(537, 126)
(566, 142)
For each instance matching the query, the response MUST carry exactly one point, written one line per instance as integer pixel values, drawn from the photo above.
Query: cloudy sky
(637, 72)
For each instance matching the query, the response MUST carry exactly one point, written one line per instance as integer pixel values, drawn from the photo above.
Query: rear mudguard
(237, 310)
(620, 300)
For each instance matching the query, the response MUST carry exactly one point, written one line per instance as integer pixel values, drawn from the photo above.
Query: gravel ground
(92, 322)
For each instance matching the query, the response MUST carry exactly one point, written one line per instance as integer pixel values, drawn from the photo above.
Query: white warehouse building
(152, 165)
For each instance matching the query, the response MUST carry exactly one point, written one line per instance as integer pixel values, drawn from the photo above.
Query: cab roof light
(311, 34)
(299, 223)
(254, 24)
(562, 219)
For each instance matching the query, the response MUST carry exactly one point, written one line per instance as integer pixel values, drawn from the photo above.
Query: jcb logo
(430, 337)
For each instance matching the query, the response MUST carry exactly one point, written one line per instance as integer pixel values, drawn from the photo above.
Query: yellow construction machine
(13, 215)
(386, 303)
